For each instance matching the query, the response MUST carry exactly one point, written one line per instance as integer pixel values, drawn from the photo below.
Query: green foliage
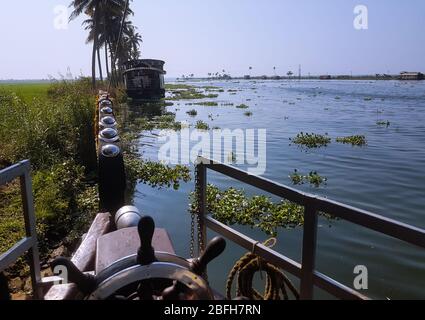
(204, 104)
(192, 113)
(242, 106)
(155, 174)
(201, 125)
(46, 131)
(313, 178)
(311, 140)
(353, 140)
(232, 206)
(178, 86)
(187, 92)
(56, 133)
(248, 114)
(27, 91)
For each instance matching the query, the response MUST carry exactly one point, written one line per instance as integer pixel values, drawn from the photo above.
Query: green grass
(27, 91)
(53, 127)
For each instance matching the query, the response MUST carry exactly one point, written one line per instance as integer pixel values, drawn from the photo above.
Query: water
(386, 176)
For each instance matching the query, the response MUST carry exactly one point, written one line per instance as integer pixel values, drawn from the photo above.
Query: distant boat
(411, 76)
(144, 79)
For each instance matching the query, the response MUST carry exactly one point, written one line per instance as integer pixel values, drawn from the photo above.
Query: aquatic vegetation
(383, 123)
(204, 104)
(242, 106)
(233, 206)
(178, 86)
(353, 140)
(232, 90)
(296, 178)
(155, 174)
(337, 98)
(311, 140)
(201, 125)
(192, 113)
(248, 114)
(368, 99)
(187, 92)
(227, 104)
(313, 178)
(210, 87)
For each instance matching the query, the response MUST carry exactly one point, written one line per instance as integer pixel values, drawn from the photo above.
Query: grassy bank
(52, 126)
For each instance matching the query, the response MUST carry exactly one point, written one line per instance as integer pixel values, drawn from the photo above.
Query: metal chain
(196, 217)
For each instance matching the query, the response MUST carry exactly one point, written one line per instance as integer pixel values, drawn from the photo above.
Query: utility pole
(299, 72)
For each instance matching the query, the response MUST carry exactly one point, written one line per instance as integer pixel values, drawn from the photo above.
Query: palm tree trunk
(100, 64)
(95, 44)
(93, 62)
(106, 60)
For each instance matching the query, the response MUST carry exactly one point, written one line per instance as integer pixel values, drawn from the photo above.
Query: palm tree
(289, 74)
(103, 15)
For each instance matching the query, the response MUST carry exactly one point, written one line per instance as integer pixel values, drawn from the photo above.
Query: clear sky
(201, 36)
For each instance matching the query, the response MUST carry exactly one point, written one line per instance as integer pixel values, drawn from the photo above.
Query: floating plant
(248, 113)
(192, 113)
(313, 178)
(311, 140)
(353, 140)
(383, 123)
(201, 125)
(242, 106)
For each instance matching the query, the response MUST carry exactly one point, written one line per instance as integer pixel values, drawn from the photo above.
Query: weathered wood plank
(84, 257)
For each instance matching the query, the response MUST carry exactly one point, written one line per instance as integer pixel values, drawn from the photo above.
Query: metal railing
(27, 246)
(312, 204)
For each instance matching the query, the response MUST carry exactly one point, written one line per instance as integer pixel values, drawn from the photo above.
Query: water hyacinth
(311, 140)
(233, 206)
(353, 140)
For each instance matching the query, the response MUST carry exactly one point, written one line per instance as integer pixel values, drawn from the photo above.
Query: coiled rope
(277, 283)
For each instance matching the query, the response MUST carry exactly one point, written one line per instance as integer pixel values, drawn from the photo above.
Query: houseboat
(411, 76)
(144, 79)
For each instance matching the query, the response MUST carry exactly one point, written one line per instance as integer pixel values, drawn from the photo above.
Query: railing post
(30, 230)
(202, 202)
(309, 252)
